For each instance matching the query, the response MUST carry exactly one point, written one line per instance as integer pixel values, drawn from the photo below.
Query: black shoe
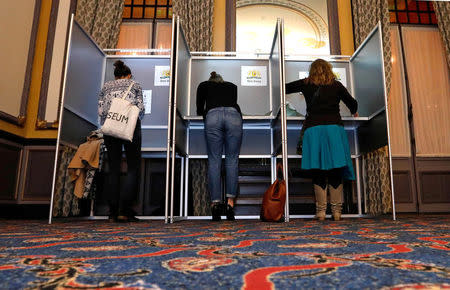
(127, 219)
(133, 219)
(121, 219)
(216, 212)
(230, 213)
(112, 219)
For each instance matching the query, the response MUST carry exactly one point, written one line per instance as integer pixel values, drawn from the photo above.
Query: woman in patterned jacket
(121, 196)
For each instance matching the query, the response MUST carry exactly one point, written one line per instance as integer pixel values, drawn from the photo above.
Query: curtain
(429, 88)
(197, 20)
(200, 193)
(163, 35)
(366, 14)
(65, 203)
(442, 10)
(398, 115)
(101, 19)
(377, 182)
(134, 35)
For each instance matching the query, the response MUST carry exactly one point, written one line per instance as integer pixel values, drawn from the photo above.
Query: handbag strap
(279, 171)
(128, 91)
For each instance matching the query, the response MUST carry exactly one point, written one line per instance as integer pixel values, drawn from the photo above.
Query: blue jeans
(223, 126)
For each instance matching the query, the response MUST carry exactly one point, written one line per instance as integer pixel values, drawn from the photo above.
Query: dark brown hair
(215, 77)
(121, 70)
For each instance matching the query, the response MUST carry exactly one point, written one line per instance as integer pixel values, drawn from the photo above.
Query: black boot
(230, 213)
(113, 212)
(127, 214)
(216, 212)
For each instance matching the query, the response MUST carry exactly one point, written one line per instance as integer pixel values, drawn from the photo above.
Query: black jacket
(323, 109)
(213, 94)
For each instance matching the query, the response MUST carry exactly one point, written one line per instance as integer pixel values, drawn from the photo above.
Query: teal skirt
(326, 147)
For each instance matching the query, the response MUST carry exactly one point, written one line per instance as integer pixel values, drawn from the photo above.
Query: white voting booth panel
(279, 125)
(83, 80)
(368, 74)
(257, 98)
(175, 123)
(83, 77)
(87, 69)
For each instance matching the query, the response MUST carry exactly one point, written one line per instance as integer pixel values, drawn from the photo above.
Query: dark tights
(324, 177)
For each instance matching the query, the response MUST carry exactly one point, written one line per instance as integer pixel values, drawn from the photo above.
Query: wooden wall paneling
(404, 188)
(397, 101)
(37, 175)
(10, 167)
(429, 85)
(19, 58)
(230, 25)
(53, 73)
(333, 27)
(433, 178)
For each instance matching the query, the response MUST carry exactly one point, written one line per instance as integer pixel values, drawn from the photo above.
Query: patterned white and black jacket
(116, 89)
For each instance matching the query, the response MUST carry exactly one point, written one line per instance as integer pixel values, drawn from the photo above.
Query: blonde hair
(321, 73)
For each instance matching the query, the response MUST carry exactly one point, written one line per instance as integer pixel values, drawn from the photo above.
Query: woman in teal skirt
(326, 152)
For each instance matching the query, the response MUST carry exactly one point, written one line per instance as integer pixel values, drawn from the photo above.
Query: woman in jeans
(120, 201)
(217, 103)
(326, 152)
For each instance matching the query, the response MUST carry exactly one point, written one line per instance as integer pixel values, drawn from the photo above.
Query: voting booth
(270, 129)
(260, 96)
(363, 76)
(87, 69)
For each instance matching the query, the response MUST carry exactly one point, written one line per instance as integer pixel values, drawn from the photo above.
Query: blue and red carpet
(411, 253)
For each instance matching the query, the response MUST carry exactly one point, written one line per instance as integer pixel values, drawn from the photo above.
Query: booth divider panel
(181, 135)
(82, 82)
(293, 67)
(183, 57)
(154, 138)
(293, 136)
(274, 61)
(75, 129)
(143, 71)
(367, 69)
(275, 71)
(256, 142)
(253, 100)
(373, 134)
(277, 135)
(84, 76)
(170, 153)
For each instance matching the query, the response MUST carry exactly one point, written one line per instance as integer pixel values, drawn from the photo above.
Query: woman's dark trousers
(121, 196)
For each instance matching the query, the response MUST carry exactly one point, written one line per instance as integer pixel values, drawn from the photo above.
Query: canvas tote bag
(122, 118)
(274, 199)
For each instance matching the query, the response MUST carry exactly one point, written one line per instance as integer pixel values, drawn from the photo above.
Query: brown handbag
(274, 200)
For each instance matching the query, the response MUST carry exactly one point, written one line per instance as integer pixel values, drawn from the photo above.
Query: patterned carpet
(411, 253)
